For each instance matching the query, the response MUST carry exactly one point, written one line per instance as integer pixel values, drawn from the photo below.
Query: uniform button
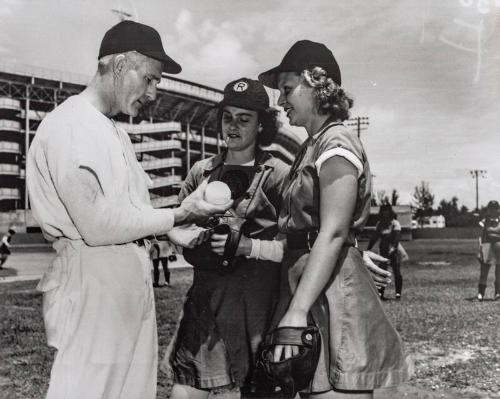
(225, 263)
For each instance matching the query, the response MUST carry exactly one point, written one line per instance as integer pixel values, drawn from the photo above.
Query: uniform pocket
(117, 300)
(59, 294)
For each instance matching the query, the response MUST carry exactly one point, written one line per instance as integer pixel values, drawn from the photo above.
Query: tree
(394, 197)
(456, 216)
(423, 200)
(449, 209)
(382, 198)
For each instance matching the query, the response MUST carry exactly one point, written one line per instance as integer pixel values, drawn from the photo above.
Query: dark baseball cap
(302, 55)
(245, 93)
(493, 205)
(133, 36)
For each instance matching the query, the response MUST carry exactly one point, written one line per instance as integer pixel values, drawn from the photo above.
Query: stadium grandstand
(169, 136)
(178, 129)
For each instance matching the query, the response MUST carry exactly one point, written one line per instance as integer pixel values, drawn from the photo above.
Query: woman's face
(296, 97)
(239, 128)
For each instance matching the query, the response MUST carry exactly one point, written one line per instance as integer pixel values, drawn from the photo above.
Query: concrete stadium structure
(178, 129)
(169, 136)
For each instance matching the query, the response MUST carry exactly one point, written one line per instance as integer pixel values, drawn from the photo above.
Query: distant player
(388, 230)
(5, 247)
(489, 249)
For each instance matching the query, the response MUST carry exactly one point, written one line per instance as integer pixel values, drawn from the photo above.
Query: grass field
(454, 339)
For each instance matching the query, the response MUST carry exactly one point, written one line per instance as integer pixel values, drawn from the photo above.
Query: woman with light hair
(326, 201)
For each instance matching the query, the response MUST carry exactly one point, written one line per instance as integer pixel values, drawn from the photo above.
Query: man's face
(136, 84)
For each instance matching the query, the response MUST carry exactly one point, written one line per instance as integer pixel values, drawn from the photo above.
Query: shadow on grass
(474, 299)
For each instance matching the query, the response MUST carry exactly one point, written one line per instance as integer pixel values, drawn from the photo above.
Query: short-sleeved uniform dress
(226, 316)
(361, 350)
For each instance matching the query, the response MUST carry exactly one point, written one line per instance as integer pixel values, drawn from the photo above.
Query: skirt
(361, 349)
(225, 318)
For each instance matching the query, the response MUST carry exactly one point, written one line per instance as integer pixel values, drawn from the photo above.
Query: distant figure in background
(388, 231)
(5, 247)
(160, 254)
(489, 249)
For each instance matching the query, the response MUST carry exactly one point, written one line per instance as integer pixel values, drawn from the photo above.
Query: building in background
(169, 136)
(178, 129)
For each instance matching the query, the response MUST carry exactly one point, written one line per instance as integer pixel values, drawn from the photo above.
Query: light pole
(359, 123)
(476, 174)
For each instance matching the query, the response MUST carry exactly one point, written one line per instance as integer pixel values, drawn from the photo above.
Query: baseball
(217, 193)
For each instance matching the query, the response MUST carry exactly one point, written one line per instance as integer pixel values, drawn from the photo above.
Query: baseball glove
(293, 374)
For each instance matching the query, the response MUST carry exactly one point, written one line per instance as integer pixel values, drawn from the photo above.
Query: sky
(425, 72)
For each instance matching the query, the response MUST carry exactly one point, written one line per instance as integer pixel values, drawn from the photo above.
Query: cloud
(7, 10)
(7, 6)
(216, 52)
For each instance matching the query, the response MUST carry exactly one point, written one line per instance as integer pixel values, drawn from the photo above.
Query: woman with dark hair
(326, 201)
(229, 307)
(388, 231)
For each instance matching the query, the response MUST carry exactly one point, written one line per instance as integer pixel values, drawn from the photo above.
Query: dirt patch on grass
(435, 263)
(432, 356)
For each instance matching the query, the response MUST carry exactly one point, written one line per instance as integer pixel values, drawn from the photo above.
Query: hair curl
(267, 118)
(330, 97)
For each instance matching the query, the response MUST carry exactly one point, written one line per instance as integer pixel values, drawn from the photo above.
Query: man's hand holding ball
(217, 193)
(197, 207)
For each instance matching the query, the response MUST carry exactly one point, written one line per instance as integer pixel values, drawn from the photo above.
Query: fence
(447, 233)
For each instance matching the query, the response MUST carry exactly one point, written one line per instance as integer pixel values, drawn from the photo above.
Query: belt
(305, 240)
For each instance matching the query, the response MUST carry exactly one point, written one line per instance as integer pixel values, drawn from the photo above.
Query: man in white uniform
(90, 197)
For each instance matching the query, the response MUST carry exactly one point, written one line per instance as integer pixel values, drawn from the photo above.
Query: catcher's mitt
(293, 374)
(202, 256)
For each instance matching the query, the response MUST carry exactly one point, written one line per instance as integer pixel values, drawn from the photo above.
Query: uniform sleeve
(338, 141)
(267, 250)
(192, 181)
(78, 177)
(67, 150)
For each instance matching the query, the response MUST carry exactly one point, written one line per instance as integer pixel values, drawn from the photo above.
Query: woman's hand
(218, 242)
(188, 236)
(380, 277)
(292, 318)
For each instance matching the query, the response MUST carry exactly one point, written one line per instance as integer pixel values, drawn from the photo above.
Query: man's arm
(101, 222)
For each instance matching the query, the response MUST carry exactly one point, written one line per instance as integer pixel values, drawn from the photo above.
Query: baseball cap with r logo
(245, 93)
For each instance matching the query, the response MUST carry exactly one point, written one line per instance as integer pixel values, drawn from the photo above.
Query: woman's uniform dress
(226, 316)
(361, 350)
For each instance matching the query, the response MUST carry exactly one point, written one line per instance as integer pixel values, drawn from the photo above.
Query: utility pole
(476, 174)
(359, 123)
